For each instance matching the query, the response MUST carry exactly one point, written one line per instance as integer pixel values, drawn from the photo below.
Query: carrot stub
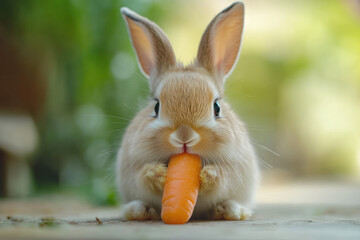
(181, 188)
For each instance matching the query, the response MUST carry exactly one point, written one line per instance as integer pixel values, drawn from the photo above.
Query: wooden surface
(312, 210)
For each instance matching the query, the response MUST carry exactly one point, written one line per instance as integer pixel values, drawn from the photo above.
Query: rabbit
(187, 113)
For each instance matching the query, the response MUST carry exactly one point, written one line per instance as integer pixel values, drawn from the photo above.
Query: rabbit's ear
(153, 49)
(220, 45)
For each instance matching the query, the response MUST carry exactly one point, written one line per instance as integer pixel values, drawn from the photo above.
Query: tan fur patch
(186, 98)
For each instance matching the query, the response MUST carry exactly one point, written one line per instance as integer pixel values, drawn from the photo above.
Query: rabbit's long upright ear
(153, 49)
(220, 45)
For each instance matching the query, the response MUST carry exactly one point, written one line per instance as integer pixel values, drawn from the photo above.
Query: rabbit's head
(187, 112)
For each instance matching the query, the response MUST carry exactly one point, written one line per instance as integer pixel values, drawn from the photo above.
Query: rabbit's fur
(186, 121)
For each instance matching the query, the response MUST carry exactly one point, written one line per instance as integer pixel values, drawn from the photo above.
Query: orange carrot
(181, 188)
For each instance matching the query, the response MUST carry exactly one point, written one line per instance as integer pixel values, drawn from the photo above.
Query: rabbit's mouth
(185, 148)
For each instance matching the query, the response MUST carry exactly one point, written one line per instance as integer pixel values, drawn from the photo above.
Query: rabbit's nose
(184, 135)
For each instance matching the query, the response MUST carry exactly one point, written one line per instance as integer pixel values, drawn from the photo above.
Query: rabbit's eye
(216, 109)
(156, 109)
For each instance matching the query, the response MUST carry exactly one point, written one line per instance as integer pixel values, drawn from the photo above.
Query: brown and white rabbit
(188, 113)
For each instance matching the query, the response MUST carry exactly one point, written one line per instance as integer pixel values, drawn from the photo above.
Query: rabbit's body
(188, 114)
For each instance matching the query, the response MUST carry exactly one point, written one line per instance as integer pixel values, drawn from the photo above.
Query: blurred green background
(69, 85)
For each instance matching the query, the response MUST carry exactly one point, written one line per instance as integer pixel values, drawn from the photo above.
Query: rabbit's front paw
(231, 210)
(138, 211)
(154, 176)
(208, 178)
